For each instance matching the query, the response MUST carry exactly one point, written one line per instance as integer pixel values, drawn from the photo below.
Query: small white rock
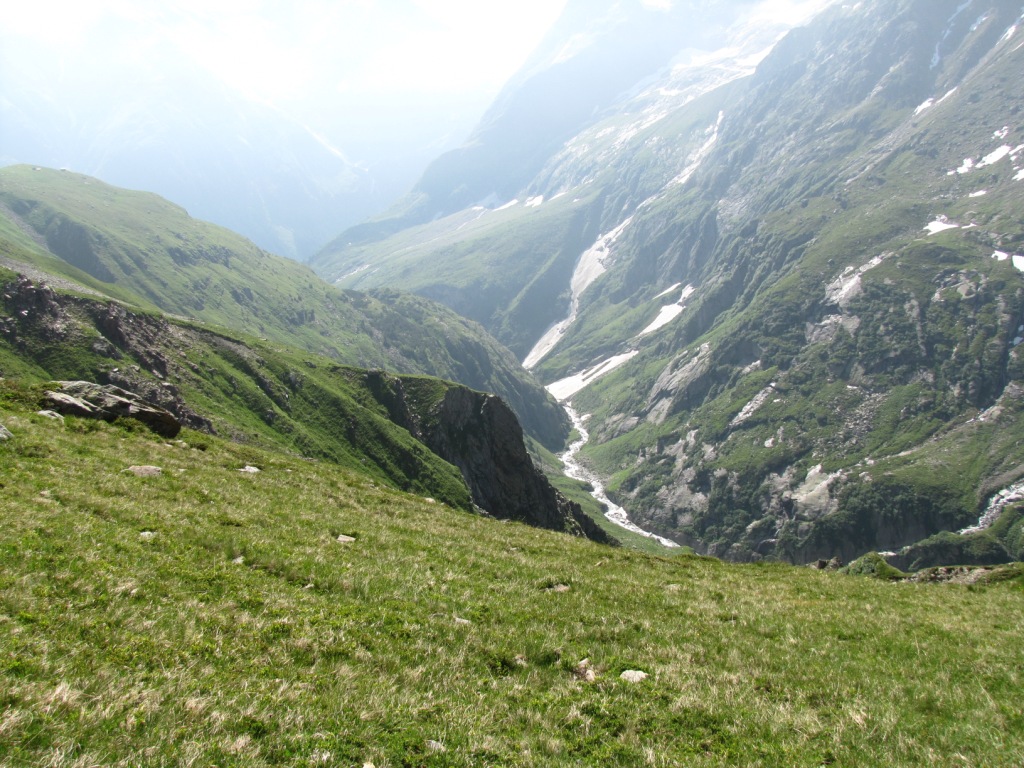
(343, 539)
(147, 535)
(633, 676)
(144, 471)
(584, 672)
(250, 470)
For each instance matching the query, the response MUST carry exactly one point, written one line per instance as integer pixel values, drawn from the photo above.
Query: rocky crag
(462, 447)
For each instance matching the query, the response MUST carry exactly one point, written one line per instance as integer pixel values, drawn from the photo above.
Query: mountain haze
(141, 248)
(788, 302)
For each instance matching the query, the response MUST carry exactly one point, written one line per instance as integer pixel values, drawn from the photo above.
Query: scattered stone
(633, 676)
(147, 535)
(144, 471)
(954, 574)
(461, 621)
(560, 588)
(50, 415)
(521, 661)
(429, 500)
(584, 671)
(107, 402)
(5, 434)
(250, 470)
(435, 746)
(240, 560)
(343, 539)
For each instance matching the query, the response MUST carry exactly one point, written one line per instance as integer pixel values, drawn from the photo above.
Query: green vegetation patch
(306, 615)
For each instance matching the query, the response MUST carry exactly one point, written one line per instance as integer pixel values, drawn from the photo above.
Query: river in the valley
(575, 470)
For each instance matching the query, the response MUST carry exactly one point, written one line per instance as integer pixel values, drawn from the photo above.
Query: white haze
(352, 69)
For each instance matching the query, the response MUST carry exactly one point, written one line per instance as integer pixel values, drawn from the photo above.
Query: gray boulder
(98, 401)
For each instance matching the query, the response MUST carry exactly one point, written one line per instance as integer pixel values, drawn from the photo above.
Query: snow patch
(979, 193)
(665, 316)
(701, 154)
(1019, 176)
(667, 291)
(509, 204)
(535, 202)
(565, 388)
(967, 167)
(591, 265)
(995, 156)
(933, 101)
(669, 313)
(1016, 258)
(941, 224)
(1002, 133)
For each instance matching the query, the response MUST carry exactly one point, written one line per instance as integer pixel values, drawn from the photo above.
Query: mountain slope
(138, 247)
(418, 434)
(784, 297)
(188, 618)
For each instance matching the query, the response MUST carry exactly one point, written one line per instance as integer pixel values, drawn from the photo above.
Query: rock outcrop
(107, 402)
(479, 434)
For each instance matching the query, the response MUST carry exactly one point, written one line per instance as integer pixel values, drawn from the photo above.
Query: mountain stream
(575, 470)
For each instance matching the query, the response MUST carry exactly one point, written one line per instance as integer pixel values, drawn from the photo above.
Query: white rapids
(577, 471)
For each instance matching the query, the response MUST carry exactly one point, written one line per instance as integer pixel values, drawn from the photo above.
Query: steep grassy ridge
(417, 434)
(138, 247)
(210, 616)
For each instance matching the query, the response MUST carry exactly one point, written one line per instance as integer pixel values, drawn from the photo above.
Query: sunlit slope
(790, 285)
(302, 615)
(137, 246)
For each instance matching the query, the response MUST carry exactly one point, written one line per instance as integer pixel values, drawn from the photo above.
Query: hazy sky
(279, 50)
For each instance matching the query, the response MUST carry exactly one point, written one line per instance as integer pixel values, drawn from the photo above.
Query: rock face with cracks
(107, 402)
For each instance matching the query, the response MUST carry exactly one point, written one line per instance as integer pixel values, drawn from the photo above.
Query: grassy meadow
(208, 616)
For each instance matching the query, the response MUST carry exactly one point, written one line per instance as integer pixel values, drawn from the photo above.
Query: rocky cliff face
(424, 435)
(479, 434)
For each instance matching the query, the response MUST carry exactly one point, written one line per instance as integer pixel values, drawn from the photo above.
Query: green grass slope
(206, 616)
(137, 247)
(243, 389)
